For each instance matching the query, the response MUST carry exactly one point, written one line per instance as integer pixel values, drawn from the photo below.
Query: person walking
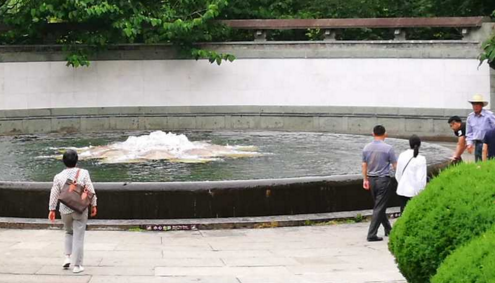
(74, 222)
(377, 158)
(459, 129)
(478, 123)
(411, 172)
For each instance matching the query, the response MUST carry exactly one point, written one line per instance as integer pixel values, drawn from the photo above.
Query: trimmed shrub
(455, 207)
(474, 262)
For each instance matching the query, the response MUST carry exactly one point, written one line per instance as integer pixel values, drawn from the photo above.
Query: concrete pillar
(399, 34)
(260, 35)
(329, 35)
(479, 34)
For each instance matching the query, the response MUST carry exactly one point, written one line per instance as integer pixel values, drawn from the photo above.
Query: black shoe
(375, 239)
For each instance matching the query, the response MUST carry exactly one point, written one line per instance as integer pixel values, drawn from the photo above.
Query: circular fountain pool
(207, 175)
(192, 156)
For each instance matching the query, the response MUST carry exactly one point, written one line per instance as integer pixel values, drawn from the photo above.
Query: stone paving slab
(309, 254)
(11, 278)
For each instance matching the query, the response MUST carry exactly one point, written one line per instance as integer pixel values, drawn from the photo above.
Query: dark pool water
(285, 155)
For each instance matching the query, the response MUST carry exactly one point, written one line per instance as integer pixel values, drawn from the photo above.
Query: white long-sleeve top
(58, 183)
(412, 180)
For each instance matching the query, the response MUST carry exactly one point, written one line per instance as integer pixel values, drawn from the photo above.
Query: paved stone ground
(336, 253)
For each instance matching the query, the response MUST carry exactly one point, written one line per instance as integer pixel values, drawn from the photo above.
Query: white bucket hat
(478, 98)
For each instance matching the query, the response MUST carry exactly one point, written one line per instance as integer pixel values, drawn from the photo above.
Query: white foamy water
(159, 145)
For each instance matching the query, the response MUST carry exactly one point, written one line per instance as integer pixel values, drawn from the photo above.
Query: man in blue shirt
(477, 124)
(377, 158)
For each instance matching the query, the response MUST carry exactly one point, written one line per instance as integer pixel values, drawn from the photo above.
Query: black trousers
(403, 202)
(478, 150)
(381, 191)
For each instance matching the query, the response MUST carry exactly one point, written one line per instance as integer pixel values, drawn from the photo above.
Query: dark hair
(415, 143)
(379, 130)
(70, 158)
(455, 119)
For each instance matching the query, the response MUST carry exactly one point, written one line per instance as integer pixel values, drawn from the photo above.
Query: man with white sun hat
(478, 123)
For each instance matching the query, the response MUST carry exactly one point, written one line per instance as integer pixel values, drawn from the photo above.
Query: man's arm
(469, 136)
(484, 155)
(461, 146)
(491, 119)
(394, 165)
(366, 183)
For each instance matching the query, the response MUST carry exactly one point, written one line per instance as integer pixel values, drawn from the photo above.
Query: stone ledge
(263, 50)
(196, 224)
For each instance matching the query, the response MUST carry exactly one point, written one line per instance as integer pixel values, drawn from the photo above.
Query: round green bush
(455, 207)
(474, 262)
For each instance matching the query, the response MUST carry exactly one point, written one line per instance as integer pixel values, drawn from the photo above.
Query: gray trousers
(381, 191)
(75, 227)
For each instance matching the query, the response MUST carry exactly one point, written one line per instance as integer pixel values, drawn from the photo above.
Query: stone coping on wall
(237, 110)
(189, 186)
(400, 122)
(433, 49)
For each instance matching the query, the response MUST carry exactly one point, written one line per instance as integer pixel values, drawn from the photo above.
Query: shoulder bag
(75, 196)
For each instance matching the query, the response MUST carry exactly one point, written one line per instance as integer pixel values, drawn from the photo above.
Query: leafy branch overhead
(85, 27)
(489, 50)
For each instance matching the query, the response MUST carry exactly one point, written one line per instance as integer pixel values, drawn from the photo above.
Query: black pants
(403, 203)
(381, 191)
(478, 150)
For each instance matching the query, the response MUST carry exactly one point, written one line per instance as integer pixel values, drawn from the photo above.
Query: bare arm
(485, 152)
(366, 184)
(461, 147)
(394, 165)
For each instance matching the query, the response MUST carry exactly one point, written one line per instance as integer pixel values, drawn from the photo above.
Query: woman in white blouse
(411, 172)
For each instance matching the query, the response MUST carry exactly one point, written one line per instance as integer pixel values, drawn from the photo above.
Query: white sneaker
(78, 269)
(66, 262)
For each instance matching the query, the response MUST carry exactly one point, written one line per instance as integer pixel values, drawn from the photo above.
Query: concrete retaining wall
(400, 122)
(377, 82)
(409, 86)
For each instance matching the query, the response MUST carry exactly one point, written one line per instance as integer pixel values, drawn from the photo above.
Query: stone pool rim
(187, 185)
(204, 199)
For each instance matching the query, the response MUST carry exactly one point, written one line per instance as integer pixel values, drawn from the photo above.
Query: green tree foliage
(489, 50)
(87, 26)
(269, 9)
(474, 262)
(318, 9)
(92, 25)
(455, 207)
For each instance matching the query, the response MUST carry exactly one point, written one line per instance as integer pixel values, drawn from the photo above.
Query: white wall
(419, 83)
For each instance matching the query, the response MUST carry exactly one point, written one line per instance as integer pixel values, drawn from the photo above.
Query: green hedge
(474, 262)
(456, 206)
